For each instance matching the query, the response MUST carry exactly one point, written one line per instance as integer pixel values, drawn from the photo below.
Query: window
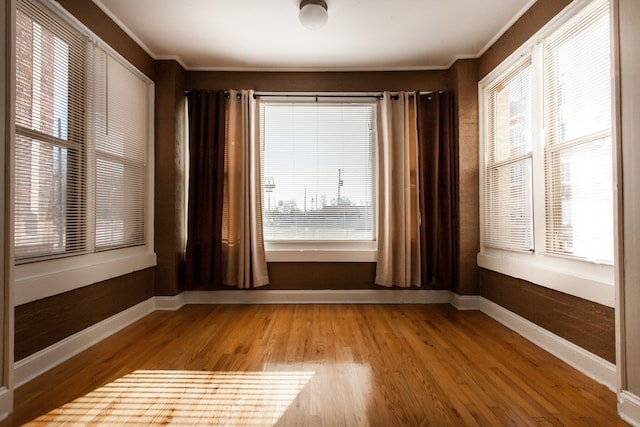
(120, 155)
(509, 210)
(318, 171)
(547, 164)
(578, 151)
(82, 171)
(50, 145)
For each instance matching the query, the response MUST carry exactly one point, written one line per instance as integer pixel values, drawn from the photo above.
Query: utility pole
(340, 182)
(269, 186)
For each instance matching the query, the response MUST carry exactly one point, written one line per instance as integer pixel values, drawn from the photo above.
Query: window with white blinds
(548, 158)
(508, 174)
(121, 137)
(578, 143)
(51, 134)
(81, 135)
(318, 171)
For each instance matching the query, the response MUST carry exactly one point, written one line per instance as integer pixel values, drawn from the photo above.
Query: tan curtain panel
(243, 258)
(398, 259)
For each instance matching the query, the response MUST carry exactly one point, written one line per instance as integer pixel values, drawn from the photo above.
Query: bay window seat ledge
(583, 279)
(38, 280)
(355, 251)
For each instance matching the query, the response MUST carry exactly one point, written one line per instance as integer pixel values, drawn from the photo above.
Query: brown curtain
(438, 168)
(206, 168)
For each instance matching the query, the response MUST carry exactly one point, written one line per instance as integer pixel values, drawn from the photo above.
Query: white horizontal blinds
(51, 63)
(578, 150)
(121, 136)
(508, 197)
(318, 170)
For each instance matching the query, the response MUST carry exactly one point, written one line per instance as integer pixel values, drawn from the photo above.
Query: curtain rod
(325, 95)
(378, 95)
(316, 95)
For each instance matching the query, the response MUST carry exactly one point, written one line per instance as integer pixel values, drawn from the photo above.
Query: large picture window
(318, 171)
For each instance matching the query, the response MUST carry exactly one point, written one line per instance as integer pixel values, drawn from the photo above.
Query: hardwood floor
(315, 365)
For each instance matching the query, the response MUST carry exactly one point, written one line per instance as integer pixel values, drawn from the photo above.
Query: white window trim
(588, 280)
(324, 250)
(42, 279)
(321, 251)
(39, 280)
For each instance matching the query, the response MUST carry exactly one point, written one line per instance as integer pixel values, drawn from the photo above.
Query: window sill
(321, 251)
(593, 282)
(43, 279)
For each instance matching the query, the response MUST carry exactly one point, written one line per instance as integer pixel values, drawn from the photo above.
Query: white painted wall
(630, 134)
(627, 22)
(6, 262)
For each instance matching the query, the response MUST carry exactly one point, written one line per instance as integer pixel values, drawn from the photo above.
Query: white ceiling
(359, 35)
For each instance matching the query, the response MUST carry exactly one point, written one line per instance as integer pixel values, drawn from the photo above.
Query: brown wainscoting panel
(44, 322)
(584, 323)
(321, 275)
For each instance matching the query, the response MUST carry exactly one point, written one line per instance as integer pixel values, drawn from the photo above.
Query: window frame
(76, 196)
(39, 279)
(593, 281)
(326, 250)
(492, 165)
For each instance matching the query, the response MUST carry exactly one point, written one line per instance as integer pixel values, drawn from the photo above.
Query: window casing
(83, 159)
(554, 226)
(318, 168)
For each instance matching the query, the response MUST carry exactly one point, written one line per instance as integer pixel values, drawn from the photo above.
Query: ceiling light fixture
(313, 14)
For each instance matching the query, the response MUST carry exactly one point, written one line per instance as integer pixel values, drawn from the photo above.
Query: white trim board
(355, 296)
(6, 402)
(591, 365)
(38, 363)
(629, 408)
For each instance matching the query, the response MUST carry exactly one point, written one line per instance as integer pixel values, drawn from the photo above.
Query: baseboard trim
(169, 303)
(30, 367)
(466, 302)
(356, 296)
(6, 402)
(586, 362)
(629, 407)
(593, 366)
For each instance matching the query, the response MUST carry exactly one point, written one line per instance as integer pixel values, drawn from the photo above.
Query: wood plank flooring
(315, 365)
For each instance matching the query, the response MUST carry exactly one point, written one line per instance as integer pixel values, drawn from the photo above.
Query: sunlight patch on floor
(192, 398)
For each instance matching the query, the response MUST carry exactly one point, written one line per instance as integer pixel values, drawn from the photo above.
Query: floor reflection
(339, 394)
